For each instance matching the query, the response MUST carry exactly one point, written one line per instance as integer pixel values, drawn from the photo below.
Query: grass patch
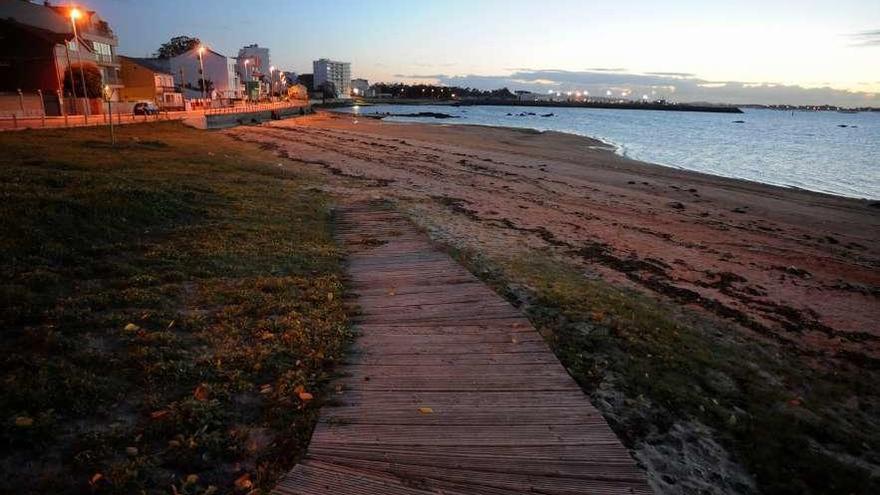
(168, 305)
(798, 424)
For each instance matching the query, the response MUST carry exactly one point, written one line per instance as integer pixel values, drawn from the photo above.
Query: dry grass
(168, 307)
(797, 424)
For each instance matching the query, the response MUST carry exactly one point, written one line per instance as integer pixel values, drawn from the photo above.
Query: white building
(253, 62)
(338, 73)
(360, 87)
(219, 70)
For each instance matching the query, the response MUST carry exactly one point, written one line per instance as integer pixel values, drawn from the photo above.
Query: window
(102, 48)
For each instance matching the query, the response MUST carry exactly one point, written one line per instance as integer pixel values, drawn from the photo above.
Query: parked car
(145, 108)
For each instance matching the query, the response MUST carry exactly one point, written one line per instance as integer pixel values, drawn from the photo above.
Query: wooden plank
(449, 389)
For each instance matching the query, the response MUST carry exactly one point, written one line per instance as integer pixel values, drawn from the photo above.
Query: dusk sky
(739, 52)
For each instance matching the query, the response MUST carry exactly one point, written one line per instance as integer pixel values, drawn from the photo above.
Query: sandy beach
(727, 330)
(791, 265)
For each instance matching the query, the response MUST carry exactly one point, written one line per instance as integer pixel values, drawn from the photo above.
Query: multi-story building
(220, 73)
(150, 79)
(253, 62)
(338, 73)
(39, 48)
(95, 32)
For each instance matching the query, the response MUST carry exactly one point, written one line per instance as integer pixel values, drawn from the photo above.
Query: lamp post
(74, 15)
(246, 79)
(202, 72)
(271, 82)
(108, 95)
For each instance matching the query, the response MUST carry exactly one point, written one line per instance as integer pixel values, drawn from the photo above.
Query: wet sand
(798, 267)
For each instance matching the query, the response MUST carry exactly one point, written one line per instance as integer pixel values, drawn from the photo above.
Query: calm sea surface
(807, 150)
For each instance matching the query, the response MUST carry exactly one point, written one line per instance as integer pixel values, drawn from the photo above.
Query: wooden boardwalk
(450, 389)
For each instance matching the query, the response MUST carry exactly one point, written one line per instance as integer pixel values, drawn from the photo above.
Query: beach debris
(739, 121)
(739, 209)
(547, 115)
(426, 410)
(244, 482)
(201, 392)
(793, 270)
(677, 205)
(24, 421)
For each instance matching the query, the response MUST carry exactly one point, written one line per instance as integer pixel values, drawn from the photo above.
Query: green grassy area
(798, 424)
(170, 308)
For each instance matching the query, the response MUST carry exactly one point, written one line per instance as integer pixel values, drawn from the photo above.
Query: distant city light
(608, 93)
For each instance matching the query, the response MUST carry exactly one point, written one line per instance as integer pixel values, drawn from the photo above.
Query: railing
(18, 122)
(25, 118)
(257, 107)
(106, 59)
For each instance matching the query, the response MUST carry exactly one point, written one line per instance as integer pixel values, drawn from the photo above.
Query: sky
(745, 51)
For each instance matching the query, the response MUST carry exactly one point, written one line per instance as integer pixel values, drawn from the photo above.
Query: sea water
(808, 150)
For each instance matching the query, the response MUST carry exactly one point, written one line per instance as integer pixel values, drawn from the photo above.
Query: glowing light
(608, 93)
(75, 13)
(201, 49)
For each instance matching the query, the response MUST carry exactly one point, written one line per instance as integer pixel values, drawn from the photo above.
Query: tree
(307, 80)
(93, 81)
(328, 90)
(176, 46)
(207, 84)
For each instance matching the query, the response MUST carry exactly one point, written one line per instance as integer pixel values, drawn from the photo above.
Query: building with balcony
(39, 49)
(337, 73)
(95, 44)
(149, 79)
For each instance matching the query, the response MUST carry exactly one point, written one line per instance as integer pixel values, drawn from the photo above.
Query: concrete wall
(225, 120)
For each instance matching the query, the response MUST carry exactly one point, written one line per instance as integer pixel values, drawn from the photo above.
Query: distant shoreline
(670, 107)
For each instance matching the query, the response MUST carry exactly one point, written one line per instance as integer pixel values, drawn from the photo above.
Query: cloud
(602, 69)
(421, 76)
(672, 74)
(671, 85)
(866, 38)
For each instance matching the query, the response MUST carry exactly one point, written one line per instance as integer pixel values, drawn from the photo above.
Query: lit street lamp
(74, 15)
(271, 82)
(246, 79)
(202, 72)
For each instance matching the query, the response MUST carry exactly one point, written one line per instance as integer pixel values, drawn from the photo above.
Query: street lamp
(271, 82)
(246, 79)
(74, 15)
(202, 72)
